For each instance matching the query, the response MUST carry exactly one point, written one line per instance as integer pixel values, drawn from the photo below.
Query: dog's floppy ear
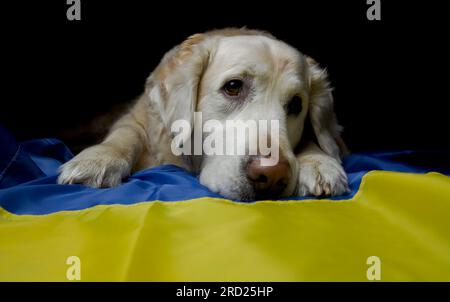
(173, 86)
(321, 112)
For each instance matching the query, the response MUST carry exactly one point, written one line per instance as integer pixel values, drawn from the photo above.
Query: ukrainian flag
(162, 225)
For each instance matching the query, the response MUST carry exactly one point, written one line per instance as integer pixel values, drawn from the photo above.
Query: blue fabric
(28, 173)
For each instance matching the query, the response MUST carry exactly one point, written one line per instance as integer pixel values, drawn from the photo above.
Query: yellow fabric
(401, 218)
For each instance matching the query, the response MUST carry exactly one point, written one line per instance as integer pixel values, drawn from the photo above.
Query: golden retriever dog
(228, 74)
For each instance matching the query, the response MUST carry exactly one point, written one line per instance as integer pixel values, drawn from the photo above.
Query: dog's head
(247, 75)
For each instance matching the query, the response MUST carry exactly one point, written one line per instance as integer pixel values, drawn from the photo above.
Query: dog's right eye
(233, 87)
(295, 106)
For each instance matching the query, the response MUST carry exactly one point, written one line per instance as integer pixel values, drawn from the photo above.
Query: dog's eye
(233, 87)
(295, 106)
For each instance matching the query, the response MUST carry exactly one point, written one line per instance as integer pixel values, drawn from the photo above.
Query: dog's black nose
(268, 180)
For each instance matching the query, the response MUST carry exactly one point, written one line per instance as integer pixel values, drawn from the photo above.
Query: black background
(390, 76)
(123, 291)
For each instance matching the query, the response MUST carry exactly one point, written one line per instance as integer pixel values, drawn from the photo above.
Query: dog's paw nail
(327, 189)
(318, 190)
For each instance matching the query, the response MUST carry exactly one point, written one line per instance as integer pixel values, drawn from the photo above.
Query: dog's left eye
(233, 87)
(295, 106)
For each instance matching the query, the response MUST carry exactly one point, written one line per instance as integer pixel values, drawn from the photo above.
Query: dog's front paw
(321, 175)
(97, 167)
